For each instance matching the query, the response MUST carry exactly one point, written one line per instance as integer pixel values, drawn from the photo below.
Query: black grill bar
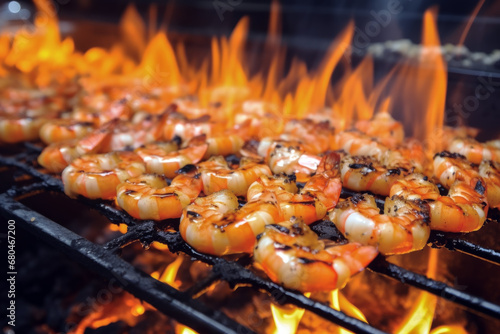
(440, 289)
(168, 300)
(440, 239)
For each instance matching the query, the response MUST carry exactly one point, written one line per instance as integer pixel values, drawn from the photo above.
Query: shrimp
(290, 158)
(362, 173)
(59, 130)
(475, 151)
(490, 172)
(315, 136)
(404, 226)
(24, 126)
(217, 175)
(357, 143)
(216, 225)
(128, 135)
(176, 124)
(97, 175)
(104, 111)
(262, 119)
(166, 158)
(320, 194)
(385, 128)
(461, 211)
(282, 185)
(148, 196)
(409, 156)
(224, 145)
(291, 254)
(57, 156)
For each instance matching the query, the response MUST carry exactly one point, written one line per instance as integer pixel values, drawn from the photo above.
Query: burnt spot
(446, 154)
(187, 169)
(479, 188)
(394, 171)
(290, 178)
(193, 214)
(177, 140)
(279, 228)
(304, 260)
(297, 229)
(232, 160)
(426, 178)
(369, 166)
(165, 195)
(357, 198)
(258, 237)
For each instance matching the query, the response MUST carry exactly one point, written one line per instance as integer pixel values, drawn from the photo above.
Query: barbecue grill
(185, 306)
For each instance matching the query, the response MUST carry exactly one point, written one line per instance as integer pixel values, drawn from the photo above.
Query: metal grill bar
(440, 239)
(440, 289)
(165, 298)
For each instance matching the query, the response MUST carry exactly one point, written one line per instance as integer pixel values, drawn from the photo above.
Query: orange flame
(471, 19)
(340, 303)
(419, 320)
(286, 319)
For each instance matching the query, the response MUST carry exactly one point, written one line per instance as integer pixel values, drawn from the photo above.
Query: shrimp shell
(291, 254)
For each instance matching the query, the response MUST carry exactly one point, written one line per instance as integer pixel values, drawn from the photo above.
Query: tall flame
(286, 319)
(419, 319)
(340, 303)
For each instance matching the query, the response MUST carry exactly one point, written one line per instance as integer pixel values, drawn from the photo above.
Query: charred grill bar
(182, 306)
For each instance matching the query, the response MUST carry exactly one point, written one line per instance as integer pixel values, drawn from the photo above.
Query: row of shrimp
(172, 162)
(415, 204)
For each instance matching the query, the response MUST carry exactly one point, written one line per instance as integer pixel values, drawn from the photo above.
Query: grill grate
(183, 306)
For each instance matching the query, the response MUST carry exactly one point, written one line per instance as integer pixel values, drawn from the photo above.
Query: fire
(286, 319)
(419, 319)
(168, 276)
(340, 303)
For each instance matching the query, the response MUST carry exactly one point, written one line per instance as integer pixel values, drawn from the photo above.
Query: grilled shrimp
(409, 155)
(475, 151)
(404, 226)
(166, 158)
(289, 158)
(129, 135)
(320, 194)
(357, 143)
(103, 111)
(58, 130)
(224, 145)
(460, 211)
(282, 185)
(291, 254)
(22, 126)
(261, 118)
(97, 175)
(362, 173)
(382, 126)
(315, 136)
(176, 124)
(217, 175)
(467, 190)
(215, 225)
(490, 172)
(148, 196)
(57, 156)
